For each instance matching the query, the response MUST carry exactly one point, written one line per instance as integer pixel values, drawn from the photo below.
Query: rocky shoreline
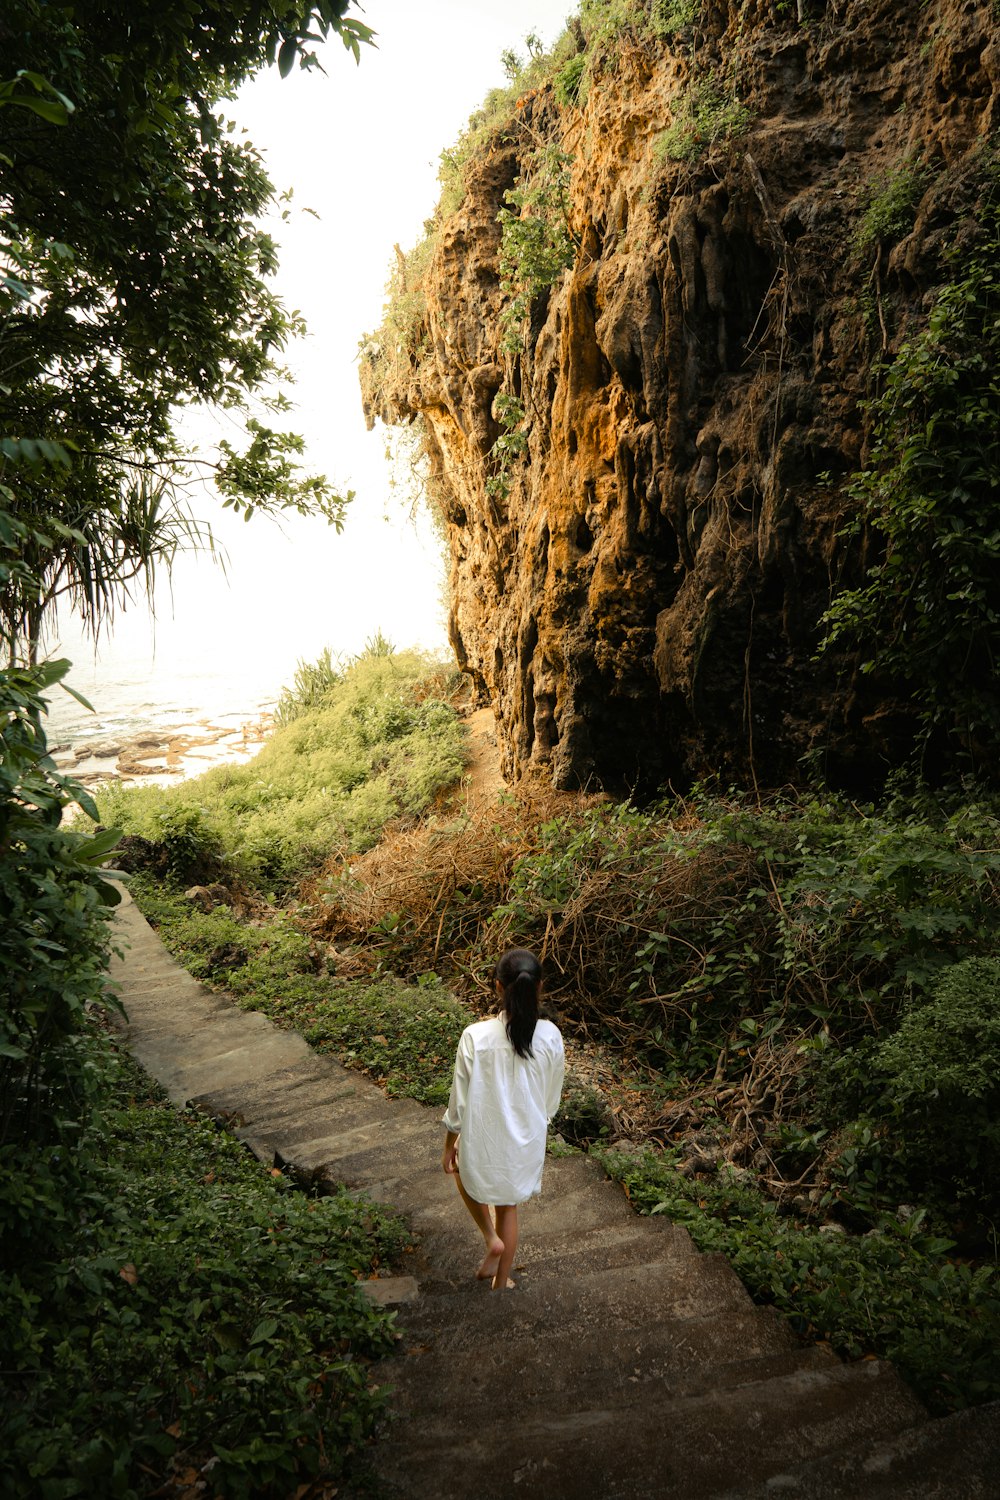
(162, 755)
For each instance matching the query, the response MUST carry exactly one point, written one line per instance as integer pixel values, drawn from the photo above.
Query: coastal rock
(638, 595)
(98, 750)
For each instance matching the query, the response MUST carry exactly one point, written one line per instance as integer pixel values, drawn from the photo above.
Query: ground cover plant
(200, 1321)
(378, 743)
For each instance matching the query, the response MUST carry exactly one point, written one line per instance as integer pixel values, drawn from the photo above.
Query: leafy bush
(568, 82)
(924, 620)
(942, 1085)
(708, 116)
(313, 682)
(536, 242)
(754, 958)
(890, 206)
(708, 928)
(200, 1316)
(667, 17)
(371, 749)
(54, 948)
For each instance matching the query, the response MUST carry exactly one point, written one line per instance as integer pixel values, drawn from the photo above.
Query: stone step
(286, 1099)
(215, 1054)
(630, 1296)
(673, 1448)
(585, 1199)
(551, 1368)
(343, 1149)
(559, 1255)
(953, 1458)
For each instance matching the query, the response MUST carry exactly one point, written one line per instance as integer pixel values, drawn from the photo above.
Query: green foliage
(402, 1035)
(668, 17)
(940, 1089)
(54, 945)
(894, 1292)
(511, 445)
(890, 206)
(371, 749)
(568, 82)
(709, 115)
(536, 242)
(312, 684)
(716, 928)
(719, 943)
(925, 619)
(199, 1311)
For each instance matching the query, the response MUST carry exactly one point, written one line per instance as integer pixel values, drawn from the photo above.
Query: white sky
(359, 146)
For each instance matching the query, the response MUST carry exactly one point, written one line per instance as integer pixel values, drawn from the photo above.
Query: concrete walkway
(626, 1366)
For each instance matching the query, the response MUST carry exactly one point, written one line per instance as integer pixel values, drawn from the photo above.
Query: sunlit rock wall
(643, 607)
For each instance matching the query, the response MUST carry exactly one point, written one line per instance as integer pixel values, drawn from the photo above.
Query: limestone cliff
(639, 599)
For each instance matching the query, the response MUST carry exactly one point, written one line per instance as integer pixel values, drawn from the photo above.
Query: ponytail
(519, 975)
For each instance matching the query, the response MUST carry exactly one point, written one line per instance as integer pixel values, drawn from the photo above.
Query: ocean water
(223, 644)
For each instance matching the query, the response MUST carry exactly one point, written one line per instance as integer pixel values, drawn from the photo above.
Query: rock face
(642, 605)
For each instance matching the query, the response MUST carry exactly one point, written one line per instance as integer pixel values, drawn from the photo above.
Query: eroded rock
(643, 606)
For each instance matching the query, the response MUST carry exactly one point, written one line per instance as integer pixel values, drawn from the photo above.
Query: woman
(508, 1078)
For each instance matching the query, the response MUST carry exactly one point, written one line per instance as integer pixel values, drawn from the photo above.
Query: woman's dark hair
(520, 976)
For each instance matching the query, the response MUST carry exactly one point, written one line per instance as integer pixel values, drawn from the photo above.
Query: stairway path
(627, 1365)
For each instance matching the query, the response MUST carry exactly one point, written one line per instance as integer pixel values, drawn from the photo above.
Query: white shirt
(500, 1105)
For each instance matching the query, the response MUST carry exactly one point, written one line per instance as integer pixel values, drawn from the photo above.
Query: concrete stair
(625, 1366)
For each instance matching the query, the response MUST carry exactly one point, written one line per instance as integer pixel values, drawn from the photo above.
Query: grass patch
(377, 745)
(708, 115)
(202, 1320)
(894, 1291)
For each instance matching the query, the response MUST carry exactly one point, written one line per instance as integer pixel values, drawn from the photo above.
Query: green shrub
(313, 683)
(942, 1084)
(199, 1312)
(924, 619)
(54, 948)
(667, 17)
(890, 206)
(568, 82)
(536, 242)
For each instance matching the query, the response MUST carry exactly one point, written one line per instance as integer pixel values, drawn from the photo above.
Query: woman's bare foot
(510, 1287)
(488, 1269)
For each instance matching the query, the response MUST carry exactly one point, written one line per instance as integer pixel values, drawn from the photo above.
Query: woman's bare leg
(507, 1230)
(484, 1223)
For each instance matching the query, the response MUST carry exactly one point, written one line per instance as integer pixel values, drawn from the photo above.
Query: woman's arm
(449, 1159)
(553, 1092)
